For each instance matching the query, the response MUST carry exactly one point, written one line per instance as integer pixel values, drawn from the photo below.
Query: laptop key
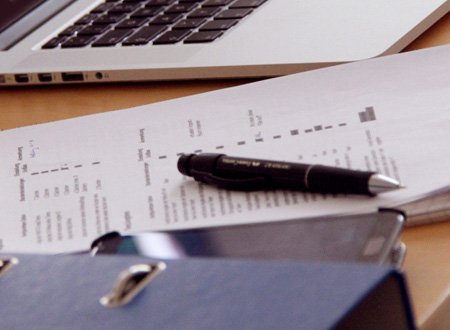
(104, 7)
(171, 37)
(221, 24)
(124, 8)
(189, 23)
(86, 19)
(180, 8)
(203, 36)
(204, 12)
(109, 19)
(164, 19)
(160, 2)
(147, 12)
(216, 3)
(92, 30)
(111, 38)
(144, 35)
(233, 13)
(70, 30)
(54, 42)
(131, 23)
(78, 41)
(247, 3)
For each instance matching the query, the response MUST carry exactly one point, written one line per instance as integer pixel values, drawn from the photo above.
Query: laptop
(80, 41)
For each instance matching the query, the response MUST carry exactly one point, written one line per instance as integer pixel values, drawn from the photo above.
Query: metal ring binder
(130, 282)
(6, 264)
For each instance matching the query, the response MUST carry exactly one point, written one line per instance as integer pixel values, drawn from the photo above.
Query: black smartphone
(371, 237)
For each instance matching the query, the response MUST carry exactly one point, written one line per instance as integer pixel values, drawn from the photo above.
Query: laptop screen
(13, 10)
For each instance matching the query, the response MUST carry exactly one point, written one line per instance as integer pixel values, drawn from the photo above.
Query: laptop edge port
(72, 76)
(45, 77)
(21, 78)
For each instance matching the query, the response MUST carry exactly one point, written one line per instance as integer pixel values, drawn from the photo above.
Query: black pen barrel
(256, 174)
(333, 180)
(304, 177)
(276, 175)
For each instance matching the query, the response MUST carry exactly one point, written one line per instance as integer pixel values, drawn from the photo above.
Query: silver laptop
(76, 41)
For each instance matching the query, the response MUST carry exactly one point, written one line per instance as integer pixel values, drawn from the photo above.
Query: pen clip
(244, 184)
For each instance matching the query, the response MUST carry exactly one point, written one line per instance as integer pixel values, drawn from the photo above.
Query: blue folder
(76, 292)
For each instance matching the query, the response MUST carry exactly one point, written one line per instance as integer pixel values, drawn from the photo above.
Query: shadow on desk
(440, 319)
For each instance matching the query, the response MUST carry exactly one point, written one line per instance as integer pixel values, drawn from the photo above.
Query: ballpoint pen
(246, 174)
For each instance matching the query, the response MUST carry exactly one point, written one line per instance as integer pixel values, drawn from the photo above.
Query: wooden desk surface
(427, 263)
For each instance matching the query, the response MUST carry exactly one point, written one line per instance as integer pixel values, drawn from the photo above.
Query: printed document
(65, 183)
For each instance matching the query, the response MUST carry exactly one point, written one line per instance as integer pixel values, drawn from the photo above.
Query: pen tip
(379, 183)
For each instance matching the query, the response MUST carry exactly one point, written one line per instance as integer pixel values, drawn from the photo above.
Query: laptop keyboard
(157, 22)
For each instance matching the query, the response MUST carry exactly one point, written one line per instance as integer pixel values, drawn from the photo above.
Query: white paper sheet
(65, 183)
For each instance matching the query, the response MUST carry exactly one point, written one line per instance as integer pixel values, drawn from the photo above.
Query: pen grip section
(333, 180)
(260, 174)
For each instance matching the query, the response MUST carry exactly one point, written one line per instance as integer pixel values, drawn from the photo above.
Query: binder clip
(6, 264)
(130, 282)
